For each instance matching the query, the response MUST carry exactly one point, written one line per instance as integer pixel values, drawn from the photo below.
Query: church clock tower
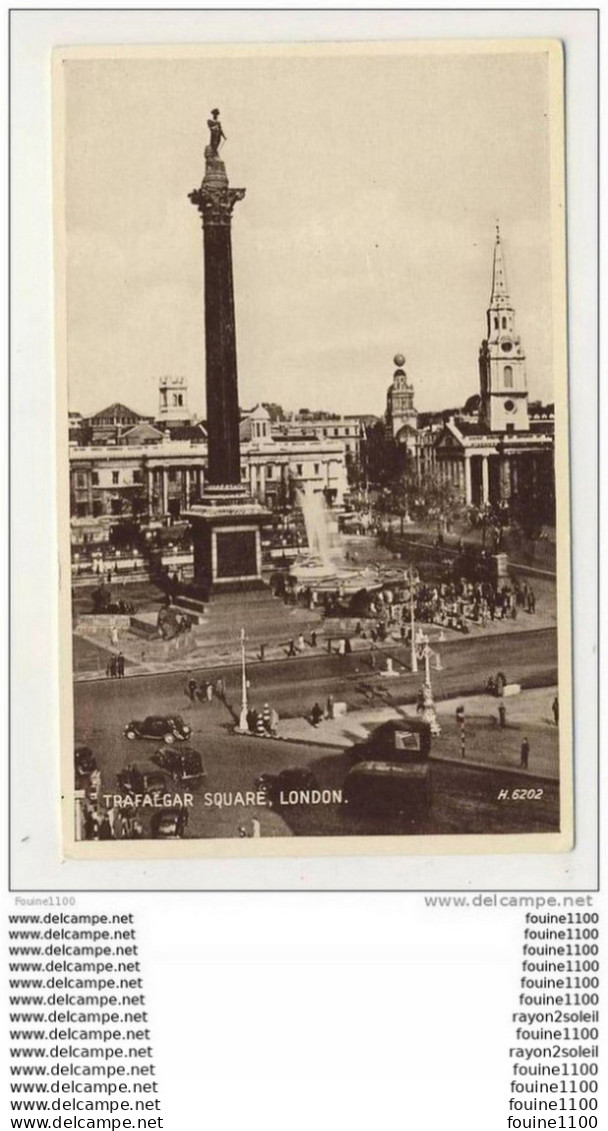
(502, 362)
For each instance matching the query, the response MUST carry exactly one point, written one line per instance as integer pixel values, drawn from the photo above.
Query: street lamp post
(244, 703)
(414, 657)
(427, 653)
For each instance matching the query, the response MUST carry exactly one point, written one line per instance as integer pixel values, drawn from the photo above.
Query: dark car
(383, 788)
(184, 764)
(404, 740)
(85, 761)
(169, 728)
(169, 824)
(392, 772)
(139, 777)
(294, 778)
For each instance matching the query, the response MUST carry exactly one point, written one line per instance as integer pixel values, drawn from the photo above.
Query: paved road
(464, 800)
(293, 685)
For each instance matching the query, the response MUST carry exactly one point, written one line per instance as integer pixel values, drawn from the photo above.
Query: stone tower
(173, 399)
(401, 416)
(502, 362)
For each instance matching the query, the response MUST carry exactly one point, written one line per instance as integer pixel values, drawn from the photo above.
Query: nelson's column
(226, 523)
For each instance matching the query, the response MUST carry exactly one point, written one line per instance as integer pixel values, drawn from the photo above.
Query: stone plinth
(226, 535)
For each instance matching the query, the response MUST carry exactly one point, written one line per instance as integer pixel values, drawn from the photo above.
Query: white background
(36, 857)
(326, 1010)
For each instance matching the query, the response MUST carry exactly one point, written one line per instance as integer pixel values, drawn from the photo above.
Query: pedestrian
(532, 601)
(313, 639)
(291, 648)
(109, 668)
(94, 785)
(120, 665)
(262, 652)
(266, 717)
(502, 716)
(330, 706)
(347, 646)
(220, 689)
(252, 718)
(316, 715)
(301, 643)
(274, 722)
(555, 710)
(524, 754)
(105, 828)
(202, 691)
(191, 690)
(209, 692)
(113, 668)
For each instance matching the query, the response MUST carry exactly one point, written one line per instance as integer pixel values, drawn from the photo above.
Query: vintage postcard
(313, 449)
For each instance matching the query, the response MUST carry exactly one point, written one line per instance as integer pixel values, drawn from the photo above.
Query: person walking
(191, 690)
(313, 639)
(502, 716)
(555, 710)
(316, 715)
(120, 665)
(266, 717)
(209, 692)
(524, 754)
(220, 689)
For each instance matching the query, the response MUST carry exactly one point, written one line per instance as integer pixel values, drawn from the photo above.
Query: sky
(373, 186)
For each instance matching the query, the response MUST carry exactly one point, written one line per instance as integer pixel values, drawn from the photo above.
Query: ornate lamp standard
(244, 702)
(413, 654)
(427, 705)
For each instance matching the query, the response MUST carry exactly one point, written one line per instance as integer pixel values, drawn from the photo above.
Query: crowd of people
(205, 691)
(264, 723)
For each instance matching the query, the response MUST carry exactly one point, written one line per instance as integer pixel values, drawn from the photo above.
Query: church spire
(500, 295)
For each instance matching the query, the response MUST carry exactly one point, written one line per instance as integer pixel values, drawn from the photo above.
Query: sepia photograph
(313, 449)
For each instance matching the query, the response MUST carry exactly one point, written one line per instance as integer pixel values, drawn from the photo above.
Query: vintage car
(184, 764)
(169, 824)
(382, 788)
(391, 773)
(140, 777)
(168, 728)
(293, 778)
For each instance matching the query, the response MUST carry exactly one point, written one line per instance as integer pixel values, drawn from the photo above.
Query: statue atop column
(216, 134)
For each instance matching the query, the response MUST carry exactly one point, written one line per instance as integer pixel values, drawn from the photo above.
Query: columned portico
(485, 480)
(468, 490)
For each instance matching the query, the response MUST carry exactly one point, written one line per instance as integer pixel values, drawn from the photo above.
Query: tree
(441, 501)
(404, 491)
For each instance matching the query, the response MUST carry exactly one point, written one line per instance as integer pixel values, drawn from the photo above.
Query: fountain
(323, 567)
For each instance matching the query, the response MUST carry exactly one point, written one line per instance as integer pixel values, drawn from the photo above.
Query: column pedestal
(226, 537)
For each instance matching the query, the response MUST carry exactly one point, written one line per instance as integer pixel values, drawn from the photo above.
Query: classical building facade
(152, 473)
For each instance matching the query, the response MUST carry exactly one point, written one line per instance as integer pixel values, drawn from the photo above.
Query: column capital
(215, 204)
